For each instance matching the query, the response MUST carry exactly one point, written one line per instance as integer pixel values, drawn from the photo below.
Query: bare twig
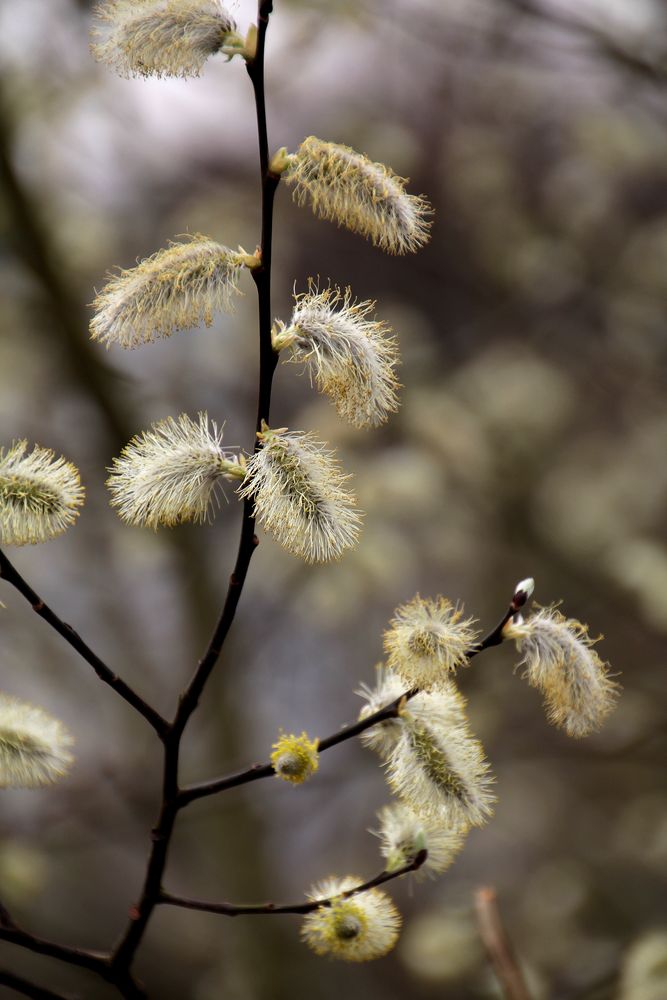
(95, 961)
(235, 910)
(9, 573)
(498, 946)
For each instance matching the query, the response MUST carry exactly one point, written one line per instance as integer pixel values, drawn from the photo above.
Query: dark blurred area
(531, 441)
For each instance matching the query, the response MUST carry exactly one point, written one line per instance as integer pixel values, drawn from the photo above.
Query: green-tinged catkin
(298, 492)
(169, 474)
(177, 288)
(350, 354)
(448, 705)
(357, 928)
(441, 770)
(558, 656)
(433, 761)
(161, 37)
(34, 746)
(345, 187)
(427, 641)
(40, 494)
(404, 833)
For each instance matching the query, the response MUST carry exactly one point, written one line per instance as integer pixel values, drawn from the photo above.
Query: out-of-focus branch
(34, 247)
(235, 910)
(498, 946)
(601, 40)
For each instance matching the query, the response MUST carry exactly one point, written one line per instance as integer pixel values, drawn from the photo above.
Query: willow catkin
(169, 474)
(345, 187)
(161, 37)
(351, 355)
(559, 659)
(176, 289)
(357, 928)
(297, 488)
(40, 494)
(34, 746)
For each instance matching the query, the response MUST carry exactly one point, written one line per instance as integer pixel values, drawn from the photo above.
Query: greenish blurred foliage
(531, 441)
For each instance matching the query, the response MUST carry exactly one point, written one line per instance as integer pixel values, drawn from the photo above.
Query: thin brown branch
(498, 946)
(9, 573)
(390, 711)
(161, 834)
(95, 961)
(254, 909)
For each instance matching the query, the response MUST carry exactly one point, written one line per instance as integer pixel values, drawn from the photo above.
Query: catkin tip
(34, 746)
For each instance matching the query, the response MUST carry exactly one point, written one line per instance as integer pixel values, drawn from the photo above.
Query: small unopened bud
(280, 161)
(523, 591)
(250, 45)
(250, 260)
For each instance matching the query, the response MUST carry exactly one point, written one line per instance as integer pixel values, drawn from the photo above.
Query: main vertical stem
(161, 834)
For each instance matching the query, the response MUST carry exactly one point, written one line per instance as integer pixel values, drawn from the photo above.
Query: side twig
(235, 910)
(257, 771)
(95, 961)
(9, 573)
(498, 946)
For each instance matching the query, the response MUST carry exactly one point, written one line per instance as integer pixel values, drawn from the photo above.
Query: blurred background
(530, 442)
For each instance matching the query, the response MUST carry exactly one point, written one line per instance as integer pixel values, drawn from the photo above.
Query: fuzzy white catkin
(34, 746)
(357, 928)
(298, 492)
(40, 494)
(160, 37)
(404, 833)
(168, 475)
(427, 641)
(559, 659)
(383, 736)
(438, 767)
(433, 761)
(176, 289)
(345, 187)
(351, 356)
